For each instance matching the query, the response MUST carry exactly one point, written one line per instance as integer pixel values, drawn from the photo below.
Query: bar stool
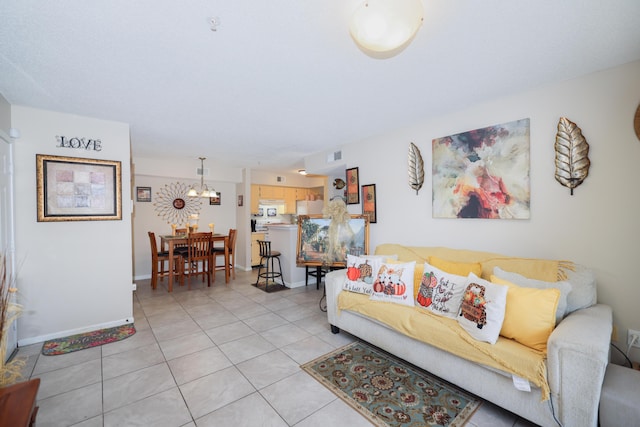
(268, 256)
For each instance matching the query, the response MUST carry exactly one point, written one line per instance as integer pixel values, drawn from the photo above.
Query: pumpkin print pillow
(440, 292)
(482, 309)
(360, 273)
(394, 283)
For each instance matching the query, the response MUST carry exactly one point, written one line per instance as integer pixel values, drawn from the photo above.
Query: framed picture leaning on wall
(314, 240)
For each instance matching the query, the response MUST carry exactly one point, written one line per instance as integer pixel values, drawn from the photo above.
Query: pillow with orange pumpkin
(360, 272)
(440, 292)
(394, 283)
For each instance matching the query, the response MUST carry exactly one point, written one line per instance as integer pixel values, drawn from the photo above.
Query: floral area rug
(389, 391)
(87, 340)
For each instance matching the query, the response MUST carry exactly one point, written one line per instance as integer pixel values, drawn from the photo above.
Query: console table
(18, 404)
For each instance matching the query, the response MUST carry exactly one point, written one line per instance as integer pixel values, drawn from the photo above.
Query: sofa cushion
(583, 289)
(360, 274)
(519, 280)
(440, 292)
(394, 283)
(482, 309)
(540, 269)
(530, 314)
(454, 267)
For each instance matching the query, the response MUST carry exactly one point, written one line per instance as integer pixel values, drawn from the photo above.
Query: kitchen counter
(284, 239)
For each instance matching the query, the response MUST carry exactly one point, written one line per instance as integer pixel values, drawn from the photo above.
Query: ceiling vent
(336, 155)
(202, 171)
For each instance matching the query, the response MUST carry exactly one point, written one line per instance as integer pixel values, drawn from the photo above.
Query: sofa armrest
(333, 282)
(577, 358)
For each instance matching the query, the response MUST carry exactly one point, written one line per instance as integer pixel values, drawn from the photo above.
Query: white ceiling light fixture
(302, 171)
(204, 190)
(384, 28)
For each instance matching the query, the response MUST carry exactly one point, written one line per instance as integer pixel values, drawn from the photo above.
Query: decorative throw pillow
(459, 268)
(440, 292)
(417, 278)
(394, 283)
(519, 280)
(360, 273)
(482, 309)
(417, 274)
(530, 314)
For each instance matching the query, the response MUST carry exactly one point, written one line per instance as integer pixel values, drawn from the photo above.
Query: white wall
(597, 226)
(73, 276)
(7, 214)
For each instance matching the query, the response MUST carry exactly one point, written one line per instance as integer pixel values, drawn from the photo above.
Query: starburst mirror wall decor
(174, 206)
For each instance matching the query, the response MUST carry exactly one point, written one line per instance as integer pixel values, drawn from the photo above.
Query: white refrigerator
(309, 207)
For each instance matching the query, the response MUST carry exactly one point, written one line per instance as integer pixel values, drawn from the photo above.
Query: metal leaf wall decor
(572, 154)
(416, 168)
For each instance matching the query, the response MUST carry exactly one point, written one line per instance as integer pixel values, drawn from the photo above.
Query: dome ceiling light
(384, 28)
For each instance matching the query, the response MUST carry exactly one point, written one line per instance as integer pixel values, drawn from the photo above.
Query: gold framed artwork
(314, 240)
(369, 202)
(77, 189)
(353, 186)
(636, 122)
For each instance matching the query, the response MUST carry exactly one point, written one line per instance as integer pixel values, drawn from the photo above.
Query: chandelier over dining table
(203, 191)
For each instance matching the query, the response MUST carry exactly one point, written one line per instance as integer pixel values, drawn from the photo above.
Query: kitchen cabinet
(255, 198)
(302, 193)
(290, 200)
(255, 248)
(272, 192)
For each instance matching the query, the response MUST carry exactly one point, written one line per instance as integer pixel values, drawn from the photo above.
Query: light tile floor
(228, 355)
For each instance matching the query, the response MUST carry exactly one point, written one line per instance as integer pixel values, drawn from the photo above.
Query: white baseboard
(42, 338)
(295, 284)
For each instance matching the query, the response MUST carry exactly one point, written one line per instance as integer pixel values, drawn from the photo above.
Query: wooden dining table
(169, 242)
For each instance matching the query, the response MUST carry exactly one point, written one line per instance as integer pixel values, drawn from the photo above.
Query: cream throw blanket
(444, 333)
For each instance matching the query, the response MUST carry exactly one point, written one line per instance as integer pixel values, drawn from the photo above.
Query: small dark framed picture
(353, 187)
(240, 200)
(143, 194)
(215, 200)
(369, 202)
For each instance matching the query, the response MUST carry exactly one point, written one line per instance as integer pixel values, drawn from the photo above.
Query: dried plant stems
(9, 311)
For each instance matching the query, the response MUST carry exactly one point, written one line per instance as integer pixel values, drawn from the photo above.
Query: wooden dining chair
(198, 259)
(158, 258)
(219, 251)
